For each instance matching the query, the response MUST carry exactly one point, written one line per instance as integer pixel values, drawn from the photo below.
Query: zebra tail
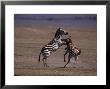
(39, 56)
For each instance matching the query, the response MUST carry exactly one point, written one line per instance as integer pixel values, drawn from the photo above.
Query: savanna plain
(28, 42)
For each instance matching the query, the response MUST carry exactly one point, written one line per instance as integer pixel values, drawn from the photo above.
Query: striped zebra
(52, 46)
(71, 50)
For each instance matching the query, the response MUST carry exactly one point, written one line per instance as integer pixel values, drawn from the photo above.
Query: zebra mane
(53, 40)
(57, 35)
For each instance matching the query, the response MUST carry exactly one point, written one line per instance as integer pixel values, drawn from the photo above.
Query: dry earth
(29, 41)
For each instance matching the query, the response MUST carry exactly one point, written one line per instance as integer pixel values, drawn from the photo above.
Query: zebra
(71, 50)
(52, 46)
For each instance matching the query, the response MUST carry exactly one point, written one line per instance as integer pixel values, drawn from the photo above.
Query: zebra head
(67, 41)
(59, 33)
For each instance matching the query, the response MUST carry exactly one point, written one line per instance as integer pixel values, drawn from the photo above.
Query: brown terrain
(29, 41)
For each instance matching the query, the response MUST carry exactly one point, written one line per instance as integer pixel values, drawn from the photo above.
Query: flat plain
(29, 41)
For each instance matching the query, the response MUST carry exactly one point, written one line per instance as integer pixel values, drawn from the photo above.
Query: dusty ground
(29, 41)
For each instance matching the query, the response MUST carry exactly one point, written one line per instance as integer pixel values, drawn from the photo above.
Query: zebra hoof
(74, 66)
(64, 60)
(64, 67)
(47, 65)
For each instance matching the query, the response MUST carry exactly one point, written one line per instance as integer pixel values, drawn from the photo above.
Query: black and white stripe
(52, 45)
(71, 50)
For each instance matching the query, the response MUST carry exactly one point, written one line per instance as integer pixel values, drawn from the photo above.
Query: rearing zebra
(52, 46)
(71, 50)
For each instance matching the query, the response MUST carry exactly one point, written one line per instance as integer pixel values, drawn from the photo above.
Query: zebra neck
(58, 37)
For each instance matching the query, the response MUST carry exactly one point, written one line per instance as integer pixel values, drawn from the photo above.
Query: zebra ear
(58, 29)
(57, 32)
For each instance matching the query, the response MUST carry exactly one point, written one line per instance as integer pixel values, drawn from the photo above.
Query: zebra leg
(44, 62)
(68, 60)
(75, 61)
(39, 56)
(75, 58)
(65, 55)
